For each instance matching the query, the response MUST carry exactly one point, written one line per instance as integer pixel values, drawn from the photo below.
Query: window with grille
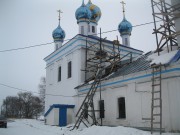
(69, 69)
(122, 108)
(93, 29)
(101, 108)
(59, 74)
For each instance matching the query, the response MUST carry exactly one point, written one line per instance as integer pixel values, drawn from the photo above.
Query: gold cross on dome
(123, 3)
(59, 11)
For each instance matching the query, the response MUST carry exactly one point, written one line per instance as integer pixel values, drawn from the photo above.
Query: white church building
(126, 93)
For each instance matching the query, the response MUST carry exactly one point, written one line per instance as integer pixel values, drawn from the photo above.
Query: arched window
(93, 29)
(88, 28)
(82, 30)
(121, 108)
(59, 74)
(56, 46)
(126, 41)
(69, 69)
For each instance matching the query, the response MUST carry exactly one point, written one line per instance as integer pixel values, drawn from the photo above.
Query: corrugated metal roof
(137, 65)
(141, 64)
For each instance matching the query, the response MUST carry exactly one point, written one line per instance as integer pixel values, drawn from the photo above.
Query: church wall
(53, 117)
(74, 53)
(126, 40)
(70, 116)
(137, 95)
(83, 28)
(66, 86)
(91, 32)
(171, 106)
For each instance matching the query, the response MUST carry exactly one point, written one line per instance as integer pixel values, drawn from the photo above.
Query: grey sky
(30, 22)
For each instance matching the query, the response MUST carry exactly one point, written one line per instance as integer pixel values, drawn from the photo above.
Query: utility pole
(1, 109)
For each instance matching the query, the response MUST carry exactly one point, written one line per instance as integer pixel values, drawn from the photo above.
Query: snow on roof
(163, 58)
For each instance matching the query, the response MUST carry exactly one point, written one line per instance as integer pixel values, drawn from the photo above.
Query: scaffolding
(164, 15)
(101, 61)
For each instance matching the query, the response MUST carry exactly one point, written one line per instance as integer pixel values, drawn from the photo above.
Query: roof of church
(95, 38)
(107, 41)
(140, 64)
(143, 63)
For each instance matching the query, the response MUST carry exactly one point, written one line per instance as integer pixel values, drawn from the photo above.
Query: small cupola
(125, 28)
(95, 11)
(95, 17)
(83, 16)
(83, 13)
(58, 34)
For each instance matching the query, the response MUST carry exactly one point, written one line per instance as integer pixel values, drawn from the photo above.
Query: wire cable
(19, 89)
(15, 49)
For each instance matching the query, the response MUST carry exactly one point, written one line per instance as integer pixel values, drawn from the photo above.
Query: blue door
(62, 117)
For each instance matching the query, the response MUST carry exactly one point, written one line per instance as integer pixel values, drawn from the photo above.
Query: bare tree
(24, 105)
(26, 99)
(10, 106)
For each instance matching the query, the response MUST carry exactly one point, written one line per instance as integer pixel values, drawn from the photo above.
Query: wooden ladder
(156, 106)
(83, 111)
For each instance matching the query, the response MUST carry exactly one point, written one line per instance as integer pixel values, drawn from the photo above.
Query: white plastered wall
(70, 116)
(138, 102)
(53, 117)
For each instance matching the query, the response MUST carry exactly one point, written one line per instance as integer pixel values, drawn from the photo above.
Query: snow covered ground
(34, 127)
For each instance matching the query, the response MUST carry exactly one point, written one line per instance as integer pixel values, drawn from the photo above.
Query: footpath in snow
(34, 127)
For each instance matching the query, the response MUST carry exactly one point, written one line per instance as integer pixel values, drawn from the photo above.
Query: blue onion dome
(58, 34)
(95, 10)
(125, 27)
(83, 13)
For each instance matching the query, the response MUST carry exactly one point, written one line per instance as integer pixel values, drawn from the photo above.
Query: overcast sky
(31, 22)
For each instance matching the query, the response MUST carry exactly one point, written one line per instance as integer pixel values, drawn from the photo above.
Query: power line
(15, 49)
(19, 89)
(145, 23)
(26, 47)
(132, 26)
